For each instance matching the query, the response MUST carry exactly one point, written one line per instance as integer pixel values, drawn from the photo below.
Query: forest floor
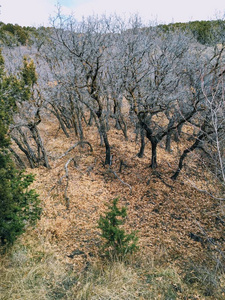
(179, 228)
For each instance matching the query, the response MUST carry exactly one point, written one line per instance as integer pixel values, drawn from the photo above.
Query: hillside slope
(177, 225)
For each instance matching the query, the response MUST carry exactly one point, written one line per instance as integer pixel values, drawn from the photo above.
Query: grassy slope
(59, 259)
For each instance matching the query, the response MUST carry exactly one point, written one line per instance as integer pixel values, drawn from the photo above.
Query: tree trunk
(123, 126)
(21, 163)
(80, 128)
(106, 142)
(154, 142)
(154, 154)
(177, 133)
(66, 117)
(90, 122)
(30, 150)
(58, 116)
(73, 114)
(33, 128)
(142, 149)
(25, 151)
(185, 153)
(168, 142)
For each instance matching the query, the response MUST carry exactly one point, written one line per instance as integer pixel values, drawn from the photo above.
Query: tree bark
(154, 144)
(177, 133)
(26, 152)
(185, 153)
(58, 116)
(106, 142)
(168, 142)
(21, 163)
(142, 148)
(38, 140)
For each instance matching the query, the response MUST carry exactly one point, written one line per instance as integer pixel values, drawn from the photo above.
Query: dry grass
(30, 270)
(115, 281)
(139, 279)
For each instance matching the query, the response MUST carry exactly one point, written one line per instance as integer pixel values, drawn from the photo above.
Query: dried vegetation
(179, 228)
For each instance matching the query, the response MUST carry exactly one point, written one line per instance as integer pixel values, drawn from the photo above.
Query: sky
(37, 12)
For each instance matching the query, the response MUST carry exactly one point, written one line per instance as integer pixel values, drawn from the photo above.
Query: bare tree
(83, 49)
(208, 87)
(24, 130)
(153, 85)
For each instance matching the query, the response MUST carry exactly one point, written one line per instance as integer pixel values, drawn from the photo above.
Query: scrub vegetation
(112, 160)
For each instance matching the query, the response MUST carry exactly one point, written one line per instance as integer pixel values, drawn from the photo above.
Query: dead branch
(74, 146)
(90, 168)
(212, 243)
(123, 163)
(114, 173)
(67, 182)
(159, 176)
(204, 191)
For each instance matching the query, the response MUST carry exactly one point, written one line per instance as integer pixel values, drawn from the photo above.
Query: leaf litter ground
(175, 222)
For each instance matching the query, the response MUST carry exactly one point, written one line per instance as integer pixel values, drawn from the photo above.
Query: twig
(211, 241)
(74, 146)
(122, 163)
(158, 175)
(90, 168)
(67, 182)
(110, 170)
(204, 191)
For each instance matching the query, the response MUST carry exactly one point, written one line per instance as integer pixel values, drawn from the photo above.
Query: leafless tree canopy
(89, 70)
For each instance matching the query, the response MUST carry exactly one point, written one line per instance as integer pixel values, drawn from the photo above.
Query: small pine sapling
(118, 243)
